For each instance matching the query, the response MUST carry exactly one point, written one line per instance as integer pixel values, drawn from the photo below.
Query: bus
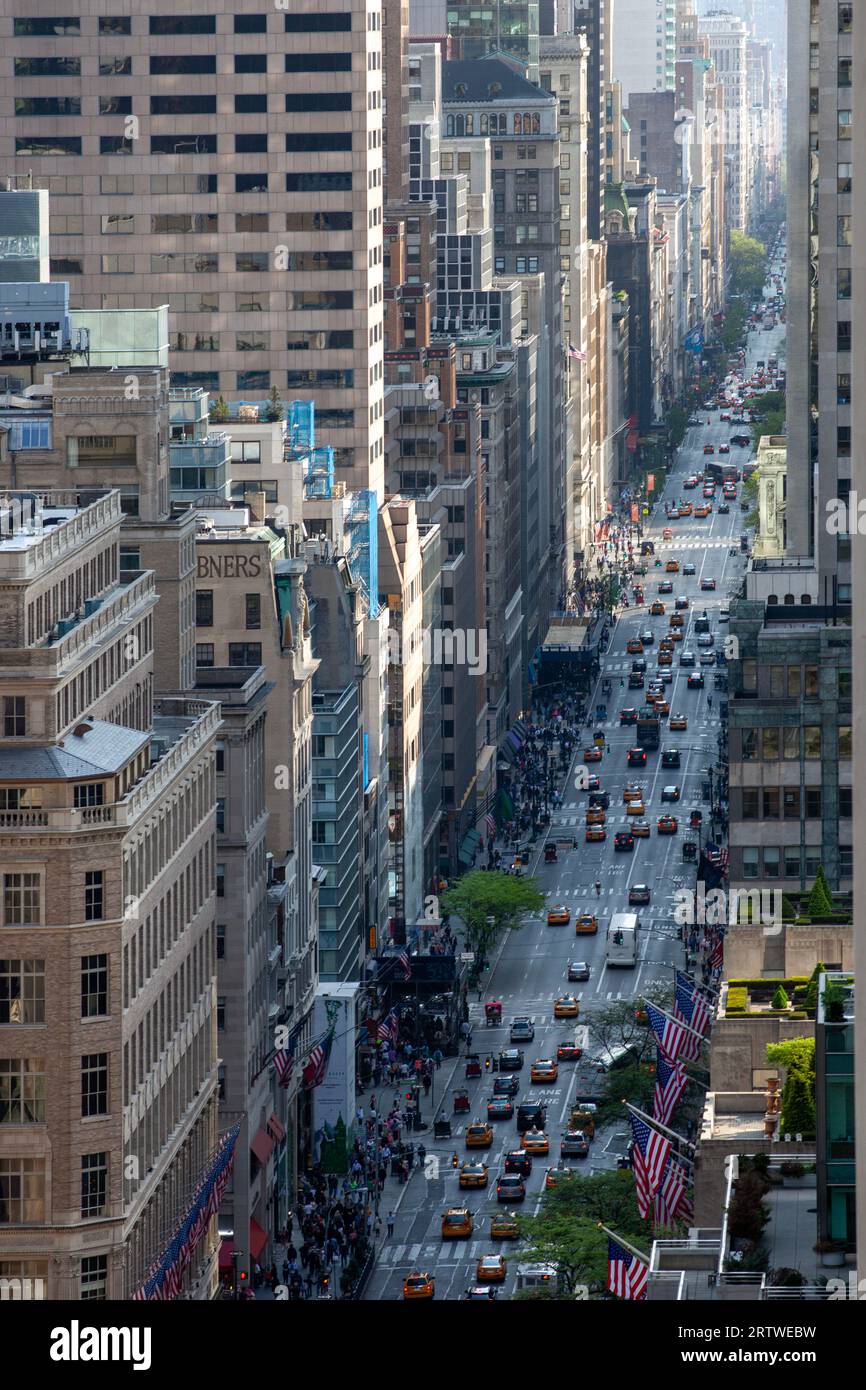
(622, 939)
(648, 733)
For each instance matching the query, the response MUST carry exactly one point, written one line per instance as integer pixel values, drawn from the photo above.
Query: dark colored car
(724, 509)
(666, 586)
(671, 757)
(637, 757)
(639, 664)
(518, 1161)
(511, 1059)
(702, 624)
(708, 583)
(681, 604)
(629, 716)
(647, 638)
(500, 1108)
(688, 568)
(510, 1187)
(578, 970)
(531, 1113)
(671, 793)
(506, 1086)
(687, 658)
(623, 839)
(601, 799)
(635, 680)
(639, 893)
(695, 681)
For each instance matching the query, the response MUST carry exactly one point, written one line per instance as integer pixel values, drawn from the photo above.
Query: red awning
(275, 1129)
(258, 1241)
(258, 1238)
(262, 1146)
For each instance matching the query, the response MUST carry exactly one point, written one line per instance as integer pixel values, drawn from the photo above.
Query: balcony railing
(115, 608)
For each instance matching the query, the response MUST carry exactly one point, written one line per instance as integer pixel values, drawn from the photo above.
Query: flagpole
(657, 1124)
(678, 970)
(625, 1244)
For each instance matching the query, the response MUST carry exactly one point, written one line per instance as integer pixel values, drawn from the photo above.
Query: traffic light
(486, 1063)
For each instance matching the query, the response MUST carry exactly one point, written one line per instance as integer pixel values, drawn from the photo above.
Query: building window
(94, 1279)
(810, 682)
(204, 607)
(22, 1090)
(94, 1184)
(94, 986)
(183, 24)
(220, 880)
(21, 900)
(220, 940)
(791, 803)
(22, 1191)
(183, 143)
(771, 803)
(791, 743)
(253, 610)
(750, 861)
(220, 815)
(813, 803)
(812, 741)
(204, 654)
(47, 67)
(846, 18)
(772, 857)
(94, 1084)
(22, 991)
(843, 283)
(93, 895)
(792, 861)
(221, 1013)
(846, 745)
(749, 744)
(14, 713)
(750, 803)
(245, 653)
(846, 805)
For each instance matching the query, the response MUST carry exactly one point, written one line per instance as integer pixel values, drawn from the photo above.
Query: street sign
(467, 957)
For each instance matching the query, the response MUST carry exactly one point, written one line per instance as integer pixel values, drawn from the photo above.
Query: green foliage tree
(747, 1214)
(734, 328)
(812, 987)
(795, 1053)
(677, 422)
(819, 901)
(219, 410)
(275, 409)
(634, 1084)
(780, 999)
(488, 902)
(565, 1231)
(747, 262)
(798, 1105)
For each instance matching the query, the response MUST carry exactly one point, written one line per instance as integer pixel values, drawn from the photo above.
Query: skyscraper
(231, 160)
(644, 46)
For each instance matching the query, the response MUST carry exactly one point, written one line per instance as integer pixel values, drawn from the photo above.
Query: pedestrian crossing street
(693, 542)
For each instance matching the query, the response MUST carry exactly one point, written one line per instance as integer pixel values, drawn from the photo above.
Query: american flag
(671, 1036)
(316, 1065)
(717, 956)
(387, 1028)
(670, 1201)
(403, 961)
(284, 1061)
(649, 1156)
(693, 1008)
(491, 825)
(626, 1274)
(576, 353)
(669, 1086)
(580, 602)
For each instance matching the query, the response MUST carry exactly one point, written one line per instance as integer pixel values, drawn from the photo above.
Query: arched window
(773, 598)
(805, 598)
(483, 125)
(503, 123)
(470, 124)
(449, 125)
(788, 599)
(536, 124)
(518, 124)
(527, 123)
(461, 125)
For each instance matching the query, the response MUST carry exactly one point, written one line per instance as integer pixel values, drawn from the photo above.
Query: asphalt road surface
(532, 965)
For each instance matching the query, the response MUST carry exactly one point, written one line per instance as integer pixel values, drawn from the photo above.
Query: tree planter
(832, 1259)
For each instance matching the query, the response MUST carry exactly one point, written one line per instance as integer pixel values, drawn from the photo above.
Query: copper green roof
(615, 199)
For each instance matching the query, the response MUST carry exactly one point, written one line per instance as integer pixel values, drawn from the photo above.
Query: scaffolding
(360, 527)
(302, 427)
(319, 472)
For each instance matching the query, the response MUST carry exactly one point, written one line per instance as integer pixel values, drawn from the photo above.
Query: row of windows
(159, 931)
(178, 144)
(339, 21)
(71, 185)
(185, 64)
(770, 744)
(790, 861)
(22, 997)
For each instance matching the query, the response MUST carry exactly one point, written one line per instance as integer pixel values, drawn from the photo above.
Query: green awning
(466, 852)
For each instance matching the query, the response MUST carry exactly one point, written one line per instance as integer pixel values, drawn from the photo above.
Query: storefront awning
(466, 852)
(258, 1241)
(262, 1146)
(275, 1129)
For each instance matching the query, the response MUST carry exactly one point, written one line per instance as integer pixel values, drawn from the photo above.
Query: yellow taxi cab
(676, 620)
(666, 825)
(635, 808)
(678, 721)
(596, 816)
(419, 1286)
(535, 1141)
(657, 609)
(662, 708)
(543, 1070)
(583, 1119)
(634, 646)
(593, 755)
(595, 832)
(632, 792)
(479, 1135)
(490, 1269)
(566, 1006)
(702, 511)
(555, 1177)
(457, 1223)
(558, 916)
(672, 567)
(473, 1175)
(685, 509)
(640, 829)
(504, 1226)
(586, 924)
(667, 644)
(677, 634)
(666, 657)
(652, 695)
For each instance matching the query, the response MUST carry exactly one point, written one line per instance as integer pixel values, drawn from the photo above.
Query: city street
(531, 969)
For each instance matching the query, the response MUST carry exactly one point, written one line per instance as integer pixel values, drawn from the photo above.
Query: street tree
(488, 902)
(565, 1232)
(747, 261)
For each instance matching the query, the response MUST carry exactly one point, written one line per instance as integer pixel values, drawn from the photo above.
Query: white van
(537, 1276)
(610, 1059)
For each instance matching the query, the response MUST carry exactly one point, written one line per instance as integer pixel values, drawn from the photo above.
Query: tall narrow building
(228, 159)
